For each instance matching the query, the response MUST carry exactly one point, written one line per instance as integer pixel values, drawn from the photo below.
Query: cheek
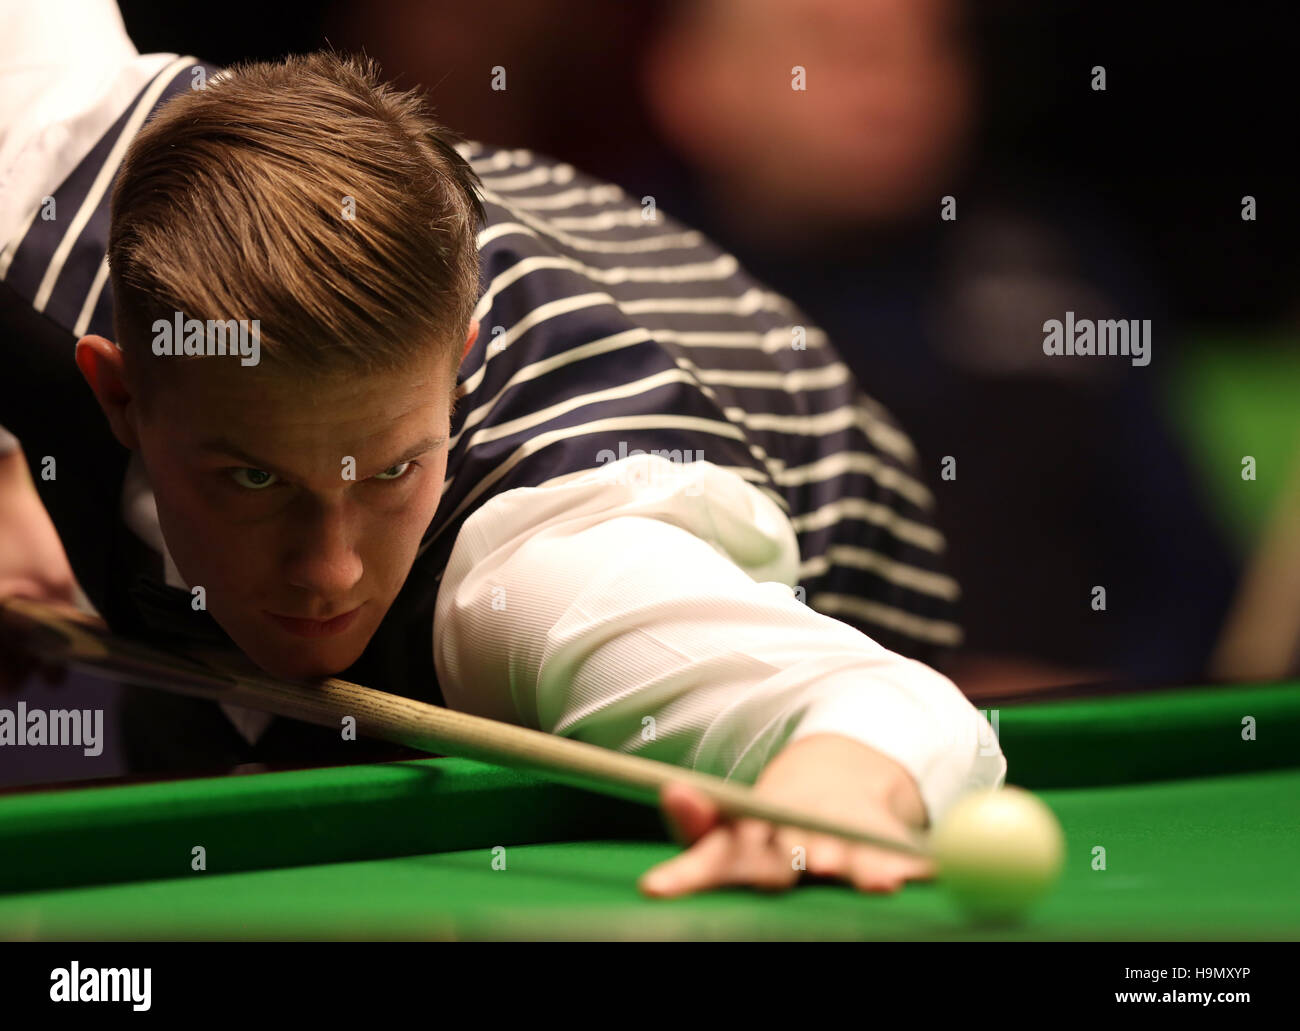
(389, 532)
(400, 531)
(199, 537)
(201, 543)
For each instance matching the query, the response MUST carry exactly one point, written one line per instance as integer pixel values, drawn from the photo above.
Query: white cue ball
(998, 851)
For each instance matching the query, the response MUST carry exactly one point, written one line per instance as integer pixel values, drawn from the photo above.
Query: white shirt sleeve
(67, 71)
(647, 607)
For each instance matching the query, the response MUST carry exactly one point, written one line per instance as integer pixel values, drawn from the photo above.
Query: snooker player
(499, 438)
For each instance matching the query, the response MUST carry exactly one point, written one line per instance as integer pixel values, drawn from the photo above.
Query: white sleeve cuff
(915, 716)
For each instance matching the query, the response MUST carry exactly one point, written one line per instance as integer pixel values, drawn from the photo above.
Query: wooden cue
(60, 635)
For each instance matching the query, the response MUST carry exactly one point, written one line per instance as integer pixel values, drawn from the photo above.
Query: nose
(322, 557)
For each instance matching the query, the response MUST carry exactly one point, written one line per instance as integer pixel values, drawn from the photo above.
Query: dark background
(1201, 100)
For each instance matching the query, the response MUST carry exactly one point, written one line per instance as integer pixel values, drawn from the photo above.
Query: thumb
(687, 814)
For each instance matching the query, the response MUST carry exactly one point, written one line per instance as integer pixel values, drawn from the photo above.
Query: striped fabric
(604, 331)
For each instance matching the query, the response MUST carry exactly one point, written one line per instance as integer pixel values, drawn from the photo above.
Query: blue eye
(253, 479)
(395, 472)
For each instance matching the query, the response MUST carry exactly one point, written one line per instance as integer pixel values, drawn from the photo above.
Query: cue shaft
(58, 634)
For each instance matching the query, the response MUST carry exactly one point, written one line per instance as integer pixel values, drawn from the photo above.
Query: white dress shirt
(68, 70)
(647, 608)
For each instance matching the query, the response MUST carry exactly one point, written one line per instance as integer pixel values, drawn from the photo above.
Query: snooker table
(1197, 821)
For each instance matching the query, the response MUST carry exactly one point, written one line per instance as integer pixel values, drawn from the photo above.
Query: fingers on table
(866, 868)
(740, 853)
(753, 853)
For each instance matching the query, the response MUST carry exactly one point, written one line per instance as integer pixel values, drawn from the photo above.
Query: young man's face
(297, 504)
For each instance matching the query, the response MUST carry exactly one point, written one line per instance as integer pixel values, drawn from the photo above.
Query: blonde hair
(231, 203)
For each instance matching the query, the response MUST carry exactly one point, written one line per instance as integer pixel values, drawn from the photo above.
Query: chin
(305, 667)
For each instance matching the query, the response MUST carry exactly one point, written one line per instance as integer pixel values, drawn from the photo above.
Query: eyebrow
(225, 446)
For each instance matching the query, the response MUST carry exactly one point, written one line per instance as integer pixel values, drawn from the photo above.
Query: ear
(469, 342)
(101, 364)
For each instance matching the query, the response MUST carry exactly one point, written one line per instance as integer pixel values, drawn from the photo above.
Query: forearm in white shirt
(637, 619)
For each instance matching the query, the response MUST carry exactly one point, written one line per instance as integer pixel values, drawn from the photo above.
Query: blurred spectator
(570, 87)
(1067, 478)
(873, 138)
